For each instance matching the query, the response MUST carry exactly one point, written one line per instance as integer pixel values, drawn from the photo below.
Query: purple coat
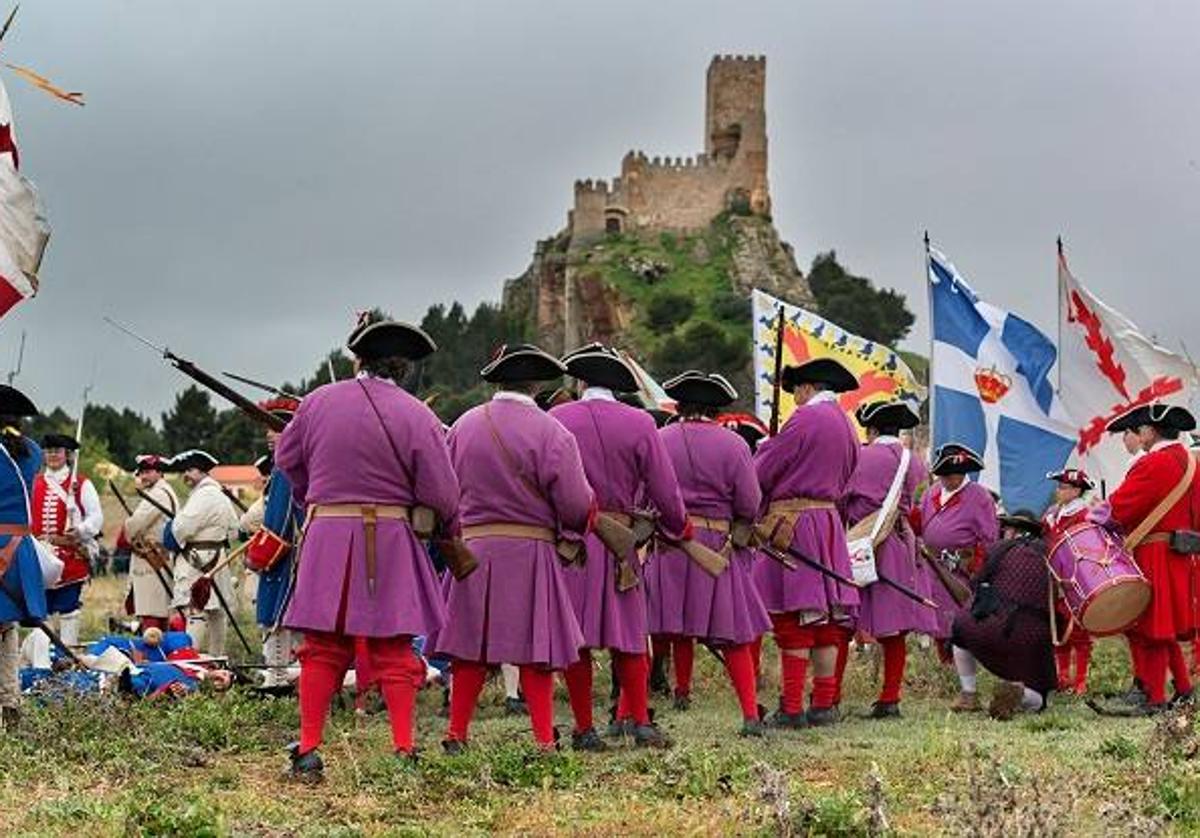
(628, 469)
(967, 522)
(334, 451)
(812, 456)
(884, 610)
(515, 608)
(716, 477)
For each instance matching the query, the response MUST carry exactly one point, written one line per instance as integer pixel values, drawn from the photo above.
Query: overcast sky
(247, 174)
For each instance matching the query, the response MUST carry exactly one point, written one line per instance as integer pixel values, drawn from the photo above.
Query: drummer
(1070, 507)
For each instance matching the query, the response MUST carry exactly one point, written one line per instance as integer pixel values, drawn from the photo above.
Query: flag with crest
(23, 227)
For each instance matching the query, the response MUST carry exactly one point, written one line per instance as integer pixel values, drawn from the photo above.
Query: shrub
(667, 309)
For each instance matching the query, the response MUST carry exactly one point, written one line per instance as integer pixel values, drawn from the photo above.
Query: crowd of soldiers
(545, 526)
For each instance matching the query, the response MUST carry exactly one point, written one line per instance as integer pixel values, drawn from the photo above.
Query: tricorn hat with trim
(699, 388)
(954, 458)
(1076, 477)
(521, 362)
(823, 372)
(149, 462)
(887, 414)
(1156, 414)
(1022, 520)
(15, 403)
(601, 366)
(389, 339)
(195, 458)
(65, 441)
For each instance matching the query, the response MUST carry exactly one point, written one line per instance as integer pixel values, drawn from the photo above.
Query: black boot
(682, 701)
(453, 747)
(884, 710)
(515, 706)
(649, 736)
(821, 716)
(307, 767)
(793, 721)
(753, 729)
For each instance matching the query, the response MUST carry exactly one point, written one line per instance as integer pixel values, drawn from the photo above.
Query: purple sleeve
(567, 487)
(747, 495)
(989, 524)
(437, 484)
(661, 484)
(289, 453)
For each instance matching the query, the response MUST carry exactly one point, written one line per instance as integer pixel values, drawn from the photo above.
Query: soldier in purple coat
(523, 492)
(885, 614)
(804, 471)
(370, 463)
(722, 496)
(629, 470)
(956, 524)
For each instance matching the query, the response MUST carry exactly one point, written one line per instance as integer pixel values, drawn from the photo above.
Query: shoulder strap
(1151, 521)
(510, 459)
(891, 501)
(408, 475)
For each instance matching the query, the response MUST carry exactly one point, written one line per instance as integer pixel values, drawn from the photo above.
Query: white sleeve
(93, 515)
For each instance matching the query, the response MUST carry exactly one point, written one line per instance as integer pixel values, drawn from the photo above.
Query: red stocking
(739, 662)
(466, 683)
(895, 655)
(538, 686)
(684, 651)
(1156, 657)
(579, 689)
(399, 673)
(634, 671)
(793, 642)
(324, 658)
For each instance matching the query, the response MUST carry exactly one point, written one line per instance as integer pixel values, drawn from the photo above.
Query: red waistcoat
(50, 517)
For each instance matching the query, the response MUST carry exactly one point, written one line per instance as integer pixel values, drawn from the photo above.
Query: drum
(1099, 580)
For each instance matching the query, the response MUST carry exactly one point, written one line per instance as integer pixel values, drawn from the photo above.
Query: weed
(1119, 747)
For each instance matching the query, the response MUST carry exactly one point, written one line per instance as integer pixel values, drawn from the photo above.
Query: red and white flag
(1108, 366)
(24, 230)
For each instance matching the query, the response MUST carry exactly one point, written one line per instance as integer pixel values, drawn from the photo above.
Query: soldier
(1070, 507)
(627, 467)
(1156, 506)
(22, 595)
(200, 533)
(151, 567)
(523, 490)
(371, 464)
(66, 515)
(956, 523)
(804, 471)
(887, 615)
(269, 554)
(722, 495)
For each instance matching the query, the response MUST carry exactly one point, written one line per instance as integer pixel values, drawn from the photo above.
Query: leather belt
(369, 514)
(15, 533)
(713, 524)
(790, 506)
(509, 530)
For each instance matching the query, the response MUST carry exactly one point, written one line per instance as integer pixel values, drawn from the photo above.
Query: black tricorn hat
(60, 441)
(705, 389)
(887, 414)
(389, 339)
(1169, 416)
(15, 403)
(601, 366)
(194, 458)
(825, 372)
(954, 458)
(1022, 520)
(264, 464)
(521, 362)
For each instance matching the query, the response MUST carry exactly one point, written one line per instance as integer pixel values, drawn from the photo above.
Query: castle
(688, 193)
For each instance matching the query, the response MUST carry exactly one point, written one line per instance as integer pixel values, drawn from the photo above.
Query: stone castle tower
(688, 193)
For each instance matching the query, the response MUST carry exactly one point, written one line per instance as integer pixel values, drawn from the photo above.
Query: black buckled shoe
(789, 721)
(821, 716)
(307, 767)
(588, 740)
(453, 747)
(618, 729)
(884, 710)
(1186, 699)
(649, 736)
(515, 707)
(682, 702)
(753, 729)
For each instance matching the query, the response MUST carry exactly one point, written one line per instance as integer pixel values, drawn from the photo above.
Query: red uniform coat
(1173, 577)
(51, 518)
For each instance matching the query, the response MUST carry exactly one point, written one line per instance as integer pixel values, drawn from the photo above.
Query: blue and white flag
(992, 391)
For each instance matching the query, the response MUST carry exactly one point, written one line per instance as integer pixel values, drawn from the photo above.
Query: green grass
(209, 765)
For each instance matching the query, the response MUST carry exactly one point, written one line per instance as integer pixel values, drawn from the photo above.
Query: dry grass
(210, 765)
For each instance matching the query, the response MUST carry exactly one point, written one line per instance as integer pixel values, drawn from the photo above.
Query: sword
(811, 563)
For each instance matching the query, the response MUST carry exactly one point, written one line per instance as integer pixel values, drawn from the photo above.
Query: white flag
(23, 227)
(1107, 367)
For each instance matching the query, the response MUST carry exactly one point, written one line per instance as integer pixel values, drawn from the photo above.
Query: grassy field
(210, 765)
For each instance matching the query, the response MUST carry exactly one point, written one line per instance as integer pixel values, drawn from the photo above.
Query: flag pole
(1058, 284)
(776, 393)
(929, 367)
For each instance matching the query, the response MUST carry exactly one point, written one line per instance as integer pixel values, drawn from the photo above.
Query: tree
(667, 309)
(854, 303)
(238, 439)
(124, 433)
(191, 423)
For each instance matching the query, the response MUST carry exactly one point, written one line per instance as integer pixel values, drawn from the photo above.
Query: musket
(959, 592)
(170, 591)
(777, 392)
(263, 417)
(227, 492)
(260, 385)
(792, 552)
(904, 589)
(18, 600)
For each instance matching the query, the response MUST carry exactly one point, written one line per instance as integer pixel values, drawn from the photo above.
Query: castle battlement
(682, 193)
